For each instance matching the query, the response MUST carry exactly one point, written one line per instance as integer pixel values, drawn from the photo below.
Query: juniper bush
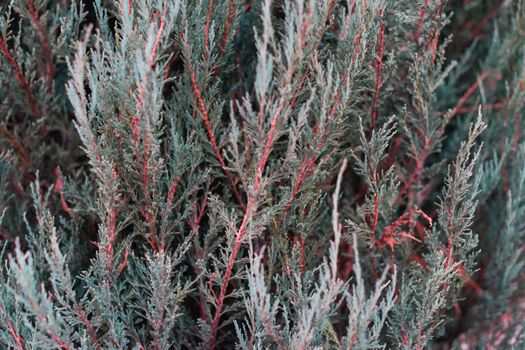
(270, 174)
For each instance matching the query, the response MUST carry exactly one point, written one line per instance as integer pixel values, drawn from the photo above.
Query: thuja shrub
(270, 174)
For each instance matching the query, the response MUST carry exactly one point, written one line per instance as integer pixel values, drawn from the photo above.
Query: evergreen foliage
(271, 174)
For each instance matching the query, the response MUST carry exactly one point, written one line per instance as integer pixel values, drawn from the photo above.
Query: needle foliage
(269, 174)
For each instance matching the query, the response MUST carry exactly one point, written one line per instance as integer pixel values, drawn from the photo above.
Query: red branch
(59, 341)
(267, 147)
(376, 209)
(45, 44)
(308, 162)
(469, 92)
(419, 336)
(483, 22)
(227, 275)
(227, 25)
(390, 236)
(379, 67)
(357, 41)
(470, 281)
(488, 106)
(331, 6)
(209, 130)
(169, 200)
(109, 248)
(152, 236)
(88, 326)
(145, 176)
(207, 31)
(145, 181)
(210, 285)
(242, 229)
(111, 229)
(251, 205)
(248, 5)
(300, 87)
(433, 38)
(16, 144)
(420, 261)
(420, 20)
(58, 188)
(16, 337)
(404, 335)
(198, 213)
(157, 40)
(173, 189)
(300, 177)
(124, 262)
(450, 241)
(271, 331)
(150, 65)
(420, 162)
(20, 77)
(301, 255)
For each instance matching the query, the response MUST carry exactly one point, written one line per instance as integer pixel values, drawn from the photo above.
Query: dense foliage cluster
(268, 174)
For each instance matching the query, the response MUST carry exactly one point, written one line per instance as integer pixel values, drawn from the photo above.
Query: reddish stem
(209, 130)
(20, 77)
(404, 335)
(173, 189)
(242, 229)
(450, 236)
(58, 188)
(145, 180)
(419, 260)
(88, 326)
(419, 336)
(124, 262)
(420, 162)
(16, 337)
(45, 44)
(308, 162)
(331, 6)
(376, 208)
(227, 25)
(248, 5)
(379, 67)
(111, 229)
(300, 88)
(150, 220)
(207, 31)
(271, 331)
(493, 12)
(16, 144)
(420, 20)
(389, 237)
(267, 147)
(357, 41)
(469, 92)
(301, 255)
(157, 40)
(300, 177)
(516, 136)
(227, 275)
(59, 341)
(488, 106)
(150, 65)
